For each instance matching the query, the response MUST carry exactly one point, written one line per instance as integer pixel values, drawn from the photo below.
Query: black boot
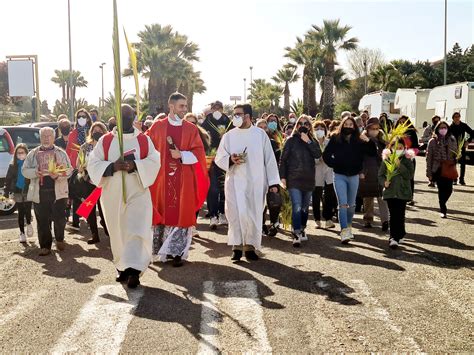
(251, 255)
(122, 276)
(95, 239)
(177, 262)
(133, 278)
(236, 255)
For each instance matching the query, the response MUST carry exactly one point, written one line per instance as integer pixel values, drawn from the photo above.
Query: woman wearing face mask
(324, 181)
(77, 137)
(427, 135)
(98, 129)
(297, 168)
(411, 142)
(64, 128)
(369, 186)
(398, 191)
(345, 154)
(16, 183)
(440, 151)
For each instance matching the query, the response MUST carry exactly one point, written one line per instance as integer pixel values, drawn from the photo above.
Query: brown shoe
(60, 245)
(44, 252)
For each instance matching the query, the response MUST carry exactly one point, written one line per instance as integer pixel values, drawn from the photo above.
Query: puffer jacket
(11, 179)
(400, 186)
(324, 174)
(439, 148)
(297, 163)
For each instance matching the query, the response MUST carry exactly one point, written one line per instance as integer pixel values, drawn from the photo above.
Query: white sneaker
(401, 241)
(303, 237)
(214, 222)
(350, 231)
(222, 220)
(29, 230)
(22, 238)
(393, 243)
(329, 224)
(318, 224)
(194, 231)
(345, 236)
(296, 240)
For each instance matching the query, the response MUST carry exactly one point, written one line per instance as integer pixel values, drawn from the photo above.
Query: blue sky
(232, 35)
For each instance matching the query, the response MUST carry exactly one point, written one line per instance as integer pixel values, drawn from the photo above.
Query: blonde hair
(102, 126)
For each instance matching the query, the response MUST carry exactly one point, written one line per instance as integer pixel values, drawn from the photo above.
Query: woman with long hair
(345, 154)
(297, 167)
(17, 184)
(324, 181)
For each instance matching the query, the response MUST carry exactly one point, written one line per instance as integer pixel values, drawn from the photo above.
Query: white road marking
(465, 311)
(362, 289)
(102, 322)
(25, 305)
(232, 311)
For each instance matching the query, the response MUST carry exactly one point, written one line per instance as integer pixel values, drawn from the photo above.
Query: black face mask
(347, 131)
(96, 135)
(65, 131)
(112, 126)
(435, 123)
(303, 129)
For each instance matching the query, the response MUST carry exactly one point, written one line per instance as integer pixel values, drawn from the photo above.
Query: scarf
(81, 134)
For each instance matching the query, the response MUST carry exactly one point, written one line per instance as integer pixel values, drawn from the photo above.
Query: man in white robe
(129, 223)
(246, 154)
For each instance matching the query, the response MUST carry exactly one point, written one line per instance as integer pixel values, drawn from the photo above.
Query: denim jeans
(215, 196)
(346, 192)
(300, 201)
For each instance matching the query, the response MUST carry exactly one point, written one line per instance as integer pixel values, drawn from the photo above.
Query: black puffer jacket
(297, 163)
(369, 186)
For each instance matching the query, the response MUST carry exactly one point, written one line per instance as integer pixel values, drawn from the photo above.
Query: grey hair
(46, 129)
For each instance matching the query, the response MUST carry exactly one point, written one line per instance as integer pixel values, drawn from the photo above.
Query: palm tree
(306, 56)
(329, 39)
(384, 76)
(286, 75)
(161, 55)
(62, 78)
(265, 96)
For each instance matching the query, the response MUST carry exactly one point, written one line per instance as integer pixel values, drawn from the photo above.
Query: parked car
(27, 135)
(7, 148)
(53, 125)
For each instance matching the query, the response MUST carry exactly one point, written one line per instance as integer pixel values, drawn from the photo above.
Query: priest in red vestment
(181, 186)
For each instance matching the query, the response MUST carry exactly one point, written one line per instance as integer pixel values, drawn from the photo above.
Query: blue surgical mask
(272, 126)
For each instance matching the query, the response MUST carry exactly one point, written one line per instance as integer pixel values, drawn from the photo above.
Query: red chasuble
(179, 190)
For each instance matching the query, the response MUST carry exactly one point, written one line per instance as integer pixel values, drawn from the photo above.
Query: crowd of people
(150, 184)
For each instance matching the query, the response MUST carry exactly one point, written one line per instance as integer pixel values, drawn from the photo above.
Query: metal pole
(245, 90)
(102, 101)
(251, 80)
(365, 76)
(38, 103)
(445, 38)
(71, 99)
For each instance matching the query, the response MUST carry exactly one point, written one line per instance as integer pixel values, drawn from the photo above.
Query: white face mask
(81, 122)
(217, 115)
(292, 120)
(21, 156)
(320, 133)
(237, 121)
(400, 151)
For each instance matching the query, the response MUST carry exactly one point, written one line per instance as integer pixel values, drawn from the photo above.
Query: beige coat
(30, 168)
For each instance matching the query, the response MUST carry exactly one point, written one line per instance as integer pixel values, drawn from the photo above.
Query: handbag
(448, 168)
(274, 200)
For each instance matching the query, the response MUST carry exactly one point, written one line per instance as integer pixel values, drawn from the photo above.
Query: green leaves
(133, 63)
(118, 91)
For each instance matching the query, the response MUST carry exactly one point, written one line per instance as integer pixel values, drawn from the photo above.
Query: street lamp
(365, 76)
(445, 38)
(251, 81)
(71, 99)
(245, 90)
(102, 101)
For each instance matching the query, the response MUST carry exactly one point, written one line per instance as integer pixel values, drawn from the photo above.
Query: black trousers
(412, 181)
(92, 221)
(274, 214)
(445, 189)
(327, 196)
(216, 194)
(48, 210)
(24, 212)
(397, 210)
(462, 164)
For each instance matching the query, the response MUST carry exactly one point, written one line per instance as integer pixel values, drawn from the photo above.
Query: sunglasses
(81, 116)
(306, 124)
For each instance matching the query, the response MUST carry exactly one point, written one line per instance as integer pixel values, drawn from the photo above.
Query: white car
(7, 148)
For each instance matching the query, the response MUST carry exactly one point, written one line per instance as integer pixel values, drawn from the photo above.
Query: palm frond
(133, 63)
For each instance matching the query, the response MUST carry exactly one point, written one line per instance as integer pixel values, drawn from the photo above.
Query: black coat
(369, 186)
(297, 163)
(346, 157)
(11, 178)
(208, 126)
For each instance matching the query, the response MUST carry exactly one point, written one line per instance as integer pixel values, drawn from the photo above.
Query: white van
(412, 103)
(378, 102)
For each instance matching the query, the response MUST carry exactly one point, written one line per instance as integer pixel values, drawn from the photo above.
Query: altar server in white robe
(246, 154)
(130, 222)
